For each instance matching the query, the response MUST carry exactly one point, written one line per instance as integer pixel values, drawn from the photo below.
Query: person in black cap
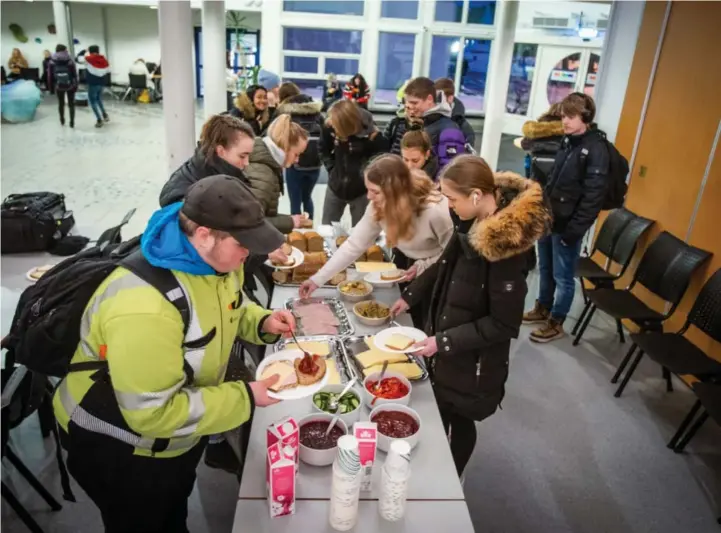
(134, 440)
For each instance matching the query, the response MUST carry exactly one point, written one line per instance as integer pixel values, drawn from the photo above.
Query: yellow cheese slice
(376, 357)
(372, 266)
(314, 347)
(409, 370)
(333, 375)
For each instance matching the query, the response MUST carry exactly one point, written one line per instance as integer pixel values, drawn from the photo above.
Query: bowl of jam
(315, 448)
(396, 422)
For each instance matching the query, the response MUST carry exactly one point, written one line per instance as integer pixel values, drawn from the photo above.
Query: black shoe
(106, 118)
(72, 124)
(221, 456)
(62, 121)
(99, 124)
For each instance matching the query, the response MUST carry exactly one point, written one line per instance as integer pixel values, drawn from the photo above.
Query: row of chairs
(665, 270)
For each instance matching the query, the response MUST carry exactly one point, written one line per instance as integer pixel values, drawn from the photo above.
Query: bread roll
(362, 257)
(314, 241)
(340, 277)
(281, 276)
(375, 253)
(315, 258)
(340, 240)
(297, 240)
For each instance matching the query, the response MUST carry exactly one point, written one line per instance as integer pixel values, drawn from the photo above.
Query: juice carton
(367, 435)
(284, 431)
(281, 488)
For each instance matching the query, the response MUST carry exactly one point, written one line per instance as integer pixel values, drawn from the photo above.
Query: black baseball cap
(223, 203)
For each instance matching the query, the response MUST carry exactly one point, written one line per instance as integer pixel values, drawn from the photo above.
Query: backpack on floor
(618, 169)
(45, 330)
(62, 77)
(451, 142)
(33, 222)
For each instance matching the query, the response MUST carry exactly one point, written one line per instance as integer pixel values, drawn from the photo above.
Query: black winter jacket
(458, 114)
(394, 132)
(576, 190)
(542, 140)
(346, 160)
(478, 290)
(304, 111)
(195, 169)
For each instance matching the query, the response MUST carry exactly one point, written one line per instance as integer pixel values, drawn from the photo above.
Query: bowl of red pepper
(394, 388)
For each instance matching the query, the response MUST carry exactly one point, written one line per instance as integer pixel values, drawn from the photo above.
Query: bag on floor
(45, 330)
(33, 222)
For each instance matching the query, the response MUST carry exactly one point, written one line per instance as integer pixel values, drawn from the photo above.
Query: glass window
(444, 53)
(311, 40)
(344, 7)
(562, 80)
(313, 88)
(341, 66)
(449, 10)
(399, 9)
(481, 12)
(519, 86)
(474, 72)
(307, 65)
(395, 65)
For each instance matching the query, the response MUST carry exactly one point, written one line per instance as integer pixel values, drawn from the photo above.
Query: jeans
(300, 185)
(95, 98)
(333, 208)
(557, 268)
(71, 105)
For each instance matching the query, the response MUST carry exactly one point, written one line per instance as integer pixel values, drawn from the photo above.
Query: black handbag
(33, 222)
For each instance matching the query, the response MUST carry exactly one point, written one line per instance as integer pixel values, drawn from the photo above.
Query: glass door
(396, 53)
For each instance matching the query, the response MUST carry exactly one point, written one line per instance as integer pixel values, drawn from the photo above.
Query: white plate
(295, 254)
(33, 269)
(415, 334)
(375, 279)
(290, 394)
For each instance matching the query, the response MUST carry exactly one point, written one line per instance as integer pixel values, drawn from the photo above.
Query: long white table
(434, 490)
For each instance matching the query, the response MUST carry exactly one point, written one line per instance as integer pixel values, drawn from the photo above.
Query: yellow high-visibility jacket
(140, 333)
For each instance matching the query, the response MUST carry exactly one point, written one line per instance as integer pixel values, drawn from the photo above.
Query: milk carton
(284, 431)
(366, 433)
(281, 480)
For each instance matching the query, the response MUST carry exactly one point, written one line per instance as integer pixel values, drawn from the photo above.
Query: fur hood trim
(537, 130)
(245, 106)
(522, 219)
(299, 108)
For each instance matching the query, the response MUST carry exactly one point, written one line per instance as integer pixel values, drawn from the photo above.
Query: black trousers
(462, 432)
(61, 104)
(134, 494)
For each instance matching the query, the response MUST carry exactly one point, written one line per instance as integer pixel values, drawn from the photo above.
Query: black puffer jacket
(304, 111)
(346, 160)
(195, 169)
(542, 140)
(478, 289)
(576, 188)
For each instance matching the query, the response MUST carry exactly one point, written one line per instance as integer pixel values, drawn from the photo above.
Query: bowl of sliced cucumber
(348, 406)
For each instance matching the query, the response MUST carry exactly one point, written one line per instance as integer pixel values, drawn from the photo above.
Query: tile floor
(562, 455)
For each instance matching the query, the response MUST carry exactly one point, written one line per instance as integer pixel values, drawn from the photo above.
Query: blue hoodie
(165, 245)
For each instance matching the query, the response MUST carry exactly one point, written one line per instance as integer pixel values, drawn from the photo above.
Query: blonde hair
(345, 119)
(286, 133)
(467, 173)
(406, 194)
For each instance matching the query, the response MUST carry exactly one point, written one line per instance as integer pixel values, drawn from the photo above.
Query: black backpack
(617, 173)
(33, 222)
(62, 77)
(310, 158)
(45, 330)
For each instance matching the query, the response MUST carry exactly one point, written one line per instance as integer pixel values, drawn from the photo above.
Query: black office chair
(665, 270)
(675, 352)
(709, 400)
(137, 84)
(32, 74)
(617, 240)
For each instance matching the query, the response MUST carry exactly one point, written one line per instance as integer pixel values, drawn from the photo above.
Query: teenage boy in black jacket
(576, 189)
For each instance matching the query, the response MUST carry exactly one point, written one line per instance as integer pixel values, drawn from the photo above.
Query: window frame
(320, 56)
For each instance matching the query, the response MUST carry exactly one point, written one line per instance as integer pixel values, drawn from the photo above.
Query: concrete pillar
(62, 30)
(176, 49)
(497, 90)
(214, 52)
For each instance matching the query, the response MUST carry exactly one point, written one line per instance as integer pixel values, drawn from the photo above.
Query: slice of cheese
(314, 347)
(373, 357)
(366, 267)
(409, 370)
(333, 375)
(285, 370)
(399, 342)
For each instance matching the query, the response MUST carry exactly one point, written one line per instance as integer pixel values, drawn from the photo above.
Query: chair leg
(628, 375)
(581, 318)
(16, 506)
(619, 328)
(623, 364)
(691, 432)
(667, 376)
(585, 325)
(28, 475)
(126, 94)
(684, 425)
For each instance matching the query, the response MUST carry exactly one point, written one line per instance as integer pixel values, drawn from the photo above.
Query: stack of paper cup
(394, 481)
(345, 488)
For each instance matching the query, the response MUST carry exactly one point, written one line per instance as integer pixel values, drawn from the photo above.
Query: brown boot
(536, 315)
(550, 331)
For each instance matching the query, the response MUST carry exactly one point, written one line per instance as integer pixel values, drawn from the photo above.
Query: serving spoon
(378, 383)
(334, 405)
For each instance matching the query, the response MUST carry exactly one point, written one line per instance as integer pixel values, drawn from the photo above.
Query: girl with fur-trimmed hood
(478, 289)
(542, 139)
(252, 106)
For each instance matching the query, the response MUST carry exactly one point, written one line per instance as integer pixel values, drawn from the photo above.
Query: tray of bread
(316, 253)
(367, 358)
(339, 370)
(320, 316)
